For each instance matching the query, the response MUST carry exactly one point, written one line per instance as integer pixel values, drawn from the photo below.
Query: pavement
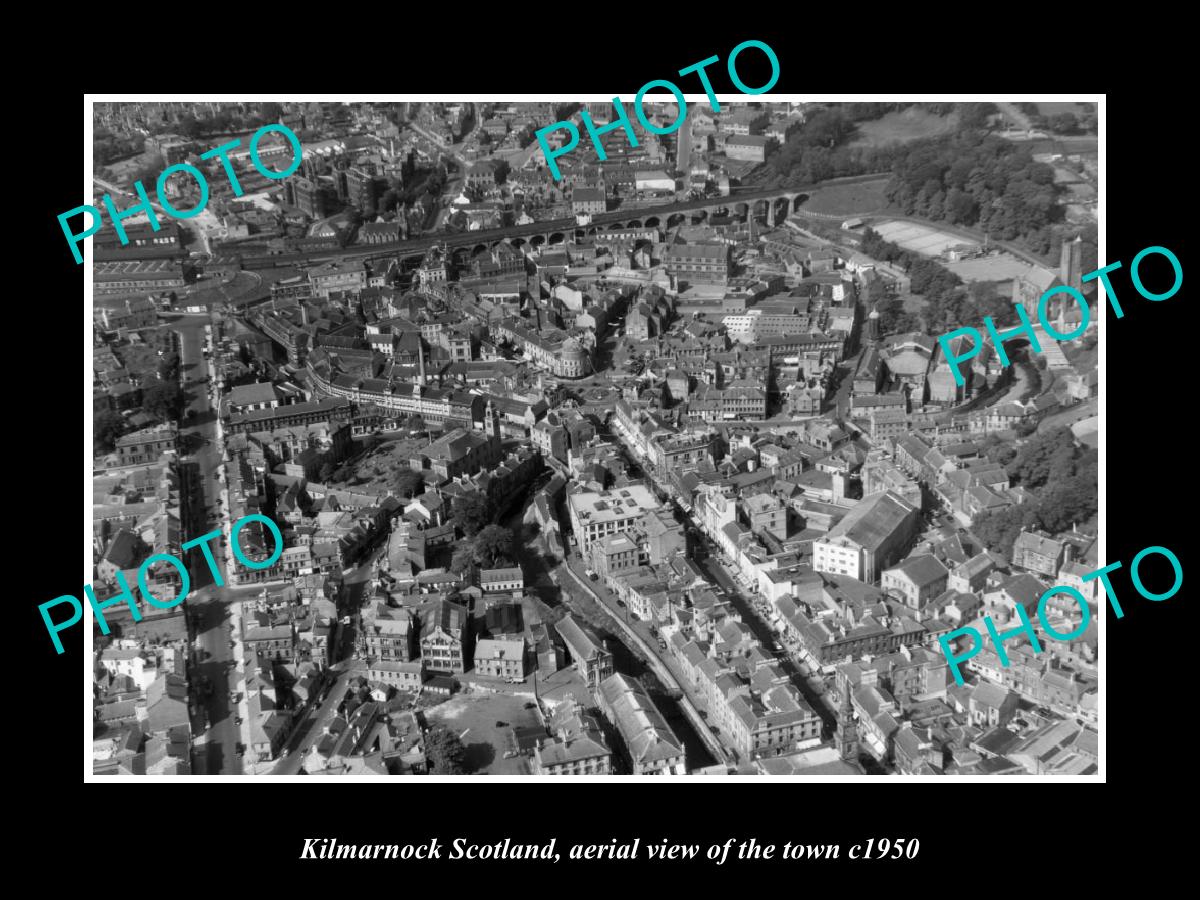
(217, 610)
(208, 603)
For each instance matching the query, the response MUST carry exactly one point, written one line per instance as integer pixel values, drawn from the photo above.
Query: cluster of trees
(334, 473)
(983, 181)
(471, 513)
(444, 751)
(106, 428)
(490, 548)
(163, 398)
(108, 147)
(148, 171)
(397, 196)
(819, 149)
(224, 122)
(950, 303)
(1063, 478)
(409, 483)
(168, 366)
(1063, 122)
(968, 177)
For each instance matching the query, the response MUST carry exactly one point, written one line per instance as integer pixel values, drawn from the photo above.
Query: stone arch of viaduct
(774, 209)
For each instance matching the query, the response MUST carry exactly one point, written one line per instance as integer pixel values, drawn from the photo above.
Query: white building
(595, 515)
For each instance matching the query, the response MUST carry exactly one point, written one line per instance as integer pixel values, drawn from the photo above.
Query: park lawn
(907, 125)
(847, 199)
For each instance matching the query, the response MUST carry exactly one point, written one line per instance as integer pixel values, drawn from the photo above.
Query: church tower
(847, 731)
(873, 325)
(491, 421)
(1070, 268)
(839, 487)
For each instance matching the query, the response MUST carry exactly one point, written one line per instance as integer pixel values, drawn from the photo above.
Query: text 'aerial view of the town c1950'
(655, 469)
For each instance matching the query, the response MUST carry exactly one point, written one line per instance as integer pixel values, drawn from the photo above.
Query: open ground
(930, 241)
(856, 199)
(474, 716)
(907, 125)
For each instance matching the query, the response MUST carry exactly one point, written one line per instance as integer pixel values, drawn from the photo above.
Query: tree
(1064, 123)
(472, 512)
(163, 399)
(406, 483)
(107, 427)
(149, 170)
(168, 366)
(493, 546)
(463, 557)
(1046, 458)
(445, 752)
(189, 126)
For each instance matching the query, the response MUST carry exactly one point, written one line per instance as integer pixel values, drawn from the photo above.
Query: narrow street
(563, 583)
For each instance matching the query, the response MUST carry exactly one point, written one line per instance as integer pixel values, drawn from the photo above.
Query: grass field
(998, 267)
(908, 125)
(847, 199)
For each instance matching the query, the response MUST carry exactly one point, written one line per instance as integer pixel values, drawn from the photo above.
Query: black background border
(959, 826)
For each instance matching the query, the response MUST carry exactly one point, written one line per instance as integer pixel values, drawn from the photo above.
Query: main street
(753, 612)
(208, 605)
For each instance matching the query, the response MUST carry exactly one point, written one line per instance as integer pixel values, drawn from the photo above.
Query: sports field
(929, 241)
(917, 238)
(996, 267)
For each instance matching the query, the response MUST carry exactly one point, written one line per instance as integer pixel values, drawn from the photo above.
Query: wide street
(207, 604)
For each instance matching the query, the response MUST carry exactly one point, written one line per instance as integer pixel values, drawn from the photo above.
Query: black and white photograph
(748, 435)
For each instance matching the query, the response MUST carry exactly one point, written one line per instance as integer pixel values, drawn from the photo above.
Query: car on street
(237, 720)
